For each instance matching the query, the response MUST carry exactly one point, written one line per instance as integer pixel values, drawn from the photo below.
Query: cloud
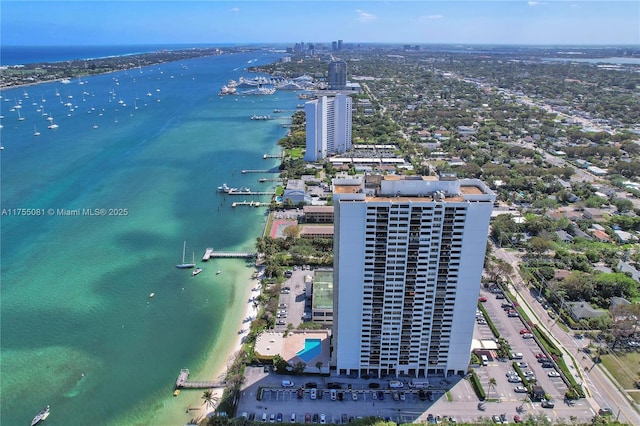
(235, 9)
(533, 3)
(364, 16)
(433, 17)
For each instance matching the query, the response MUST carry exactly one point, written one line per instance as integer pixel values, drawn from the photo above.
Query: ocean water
(143, 150)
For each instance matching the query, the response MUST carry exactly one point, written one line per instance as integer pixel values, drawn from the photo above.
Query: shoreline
(250, 312)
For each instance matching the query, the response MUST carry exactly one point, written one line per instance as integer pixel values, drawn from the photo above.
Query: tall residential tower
(328, 126)
(408, 258)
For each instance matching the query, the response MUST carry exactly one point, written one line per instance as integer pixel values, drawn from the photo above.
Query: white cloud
(364, 16)
(533, 3)
(235, 9)
(434, 17)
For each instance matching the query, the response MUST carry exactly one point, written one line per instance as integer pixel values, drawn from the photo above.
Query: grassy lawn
(635, 396)
(624, 367)
(295, 153)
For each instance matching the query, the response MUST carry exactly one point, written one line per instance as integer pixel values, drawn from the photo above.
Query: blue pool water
(312, 349)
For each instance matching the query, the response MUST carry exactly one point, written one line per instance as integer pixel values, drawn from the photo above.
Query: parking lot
(353, 399)
(294, 306)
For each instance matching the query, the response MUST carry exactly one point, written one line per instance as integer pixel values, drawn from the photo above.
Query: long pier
(257, 171)
(183, 382)
(240, 192)
(261, 180)
(265, 156)
(249, 204)
(210, 252)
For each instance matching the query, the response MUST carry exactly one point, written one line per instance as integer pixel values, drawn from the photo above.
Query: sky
(101, 22)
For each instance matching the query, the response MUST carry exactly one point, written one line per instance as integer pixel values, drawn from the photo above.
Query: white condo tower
(408, 259)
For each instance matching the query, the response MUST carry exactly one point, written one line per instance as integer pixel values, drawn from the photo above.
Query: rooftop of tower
(444, 188)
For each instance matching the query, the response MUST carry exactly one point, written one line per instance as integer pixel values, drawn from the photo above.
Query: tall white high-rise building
(408, 258)
(328, 126)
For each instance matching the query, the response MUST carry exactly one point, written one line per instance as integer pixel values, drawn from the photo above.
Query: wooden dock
(240, 192)
(257, 171)
(249, 204)
(209, 253)
(262, 180)
(183, 382)
(265, 156)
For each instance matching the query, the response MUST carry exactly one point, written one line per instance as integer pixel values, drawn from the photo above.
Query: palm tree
(319, 366)
(492, 383)
(209, 399)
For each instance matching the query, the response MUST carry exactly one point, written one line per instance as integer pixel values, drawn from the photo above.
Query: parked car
(547, 404)
(333, 394)
(520, 389)
(374, 385)
(553, 374)
(527, 336)
(522, 365)
(514, 379)
(279, 418)
(313, 394)
(517, 355)
(482, 299)
(524, 331)
(323, 419)
(381, 395)
(354, 396)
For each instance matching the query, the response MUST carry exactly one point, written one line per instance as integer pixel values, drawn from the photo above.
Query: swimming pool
(312, 348)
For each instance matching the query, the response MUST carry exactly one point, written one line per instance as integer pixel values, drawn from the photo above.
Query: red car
(540, 356)
(517, 419)
(523, 331)
(482, 299)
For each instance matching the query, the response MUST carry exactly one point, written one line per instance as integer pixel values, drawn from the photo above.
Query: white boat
(224, 188)
(219, 272)
(260, 91)
(35, 131)
(151, 295)
(196, 271)
(42, 415)
(184, 265)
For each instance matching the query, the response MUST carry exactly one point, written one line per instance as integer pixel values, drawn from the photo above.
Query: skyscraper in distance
(408, 258)
(328, 126)
(337, 75)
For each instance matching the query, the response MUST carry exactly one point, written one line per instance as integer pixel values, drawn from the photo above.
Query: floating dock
(261, 180)
(183, 382)
(210, 253)
(265, 156)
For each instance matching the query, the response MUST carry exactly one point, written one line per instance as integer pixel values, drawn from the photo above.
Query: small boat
(184, 265)
(219, 272)
(176, 392)
(151, 295)
(196, 271)
(42, 415)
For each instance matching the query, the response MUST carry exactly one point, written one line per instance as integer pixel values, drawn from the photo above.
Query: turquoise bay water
(78, 330)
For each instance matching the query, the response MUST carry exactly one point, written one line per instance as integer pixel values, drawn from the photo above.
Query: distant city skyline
(98, 22)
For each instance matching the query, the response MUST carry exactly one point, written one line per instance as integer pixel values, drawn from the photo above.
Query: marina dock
(261, 180)
(265, 156)
(241, 192)
(210, 253)
(183, 382)
(258, 171)
(249, 203)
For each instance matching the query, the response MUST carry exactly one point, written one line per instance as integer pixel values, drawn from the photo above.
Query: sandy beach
(250, 314)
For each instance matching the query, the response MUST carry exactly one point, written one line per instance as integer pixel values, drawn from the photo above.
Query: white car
(514, 379)
(313, 394)
(553, 374)
(323, 419)
(520, 389)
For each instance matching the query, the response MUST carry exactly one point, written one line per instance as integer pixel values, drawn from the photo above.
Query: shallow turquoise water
(78, 330)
